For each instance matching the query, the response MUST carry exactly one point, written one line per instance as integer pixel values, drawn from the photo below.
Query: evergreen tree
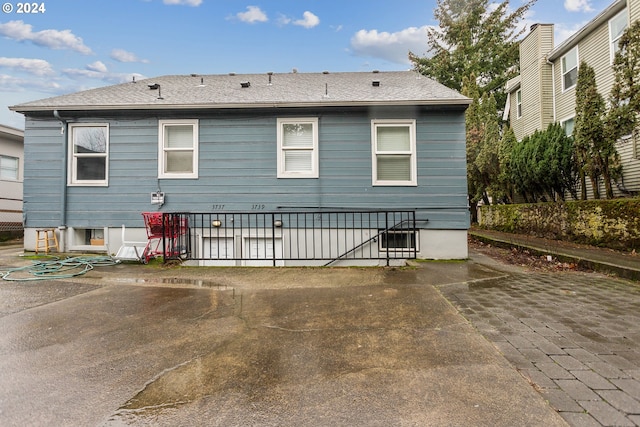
(542, 166)
(487, 162)
(505, 161)
(474, 129)
(589, 129)
(474, 38)
(624, 100)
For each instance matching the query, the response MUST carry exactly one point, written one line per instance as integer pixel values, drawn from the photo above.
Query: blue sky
(72, 45)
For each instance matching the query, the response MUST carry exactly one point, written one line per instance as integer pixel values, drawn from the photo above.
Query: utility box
(157, 198)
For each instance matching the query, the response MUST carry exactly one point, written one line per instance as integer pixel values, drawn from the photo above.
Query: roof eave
(434, 102)
(603, 16)
(9, 131)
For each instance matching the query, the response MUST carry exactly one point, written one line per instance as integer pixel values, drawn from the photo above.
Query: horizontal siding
(594, 50)
(237, 170)
(629, 152)
(517, 124)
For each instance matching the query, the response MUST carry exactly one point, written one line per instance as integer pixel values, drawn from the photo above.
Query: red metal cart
(173, 232)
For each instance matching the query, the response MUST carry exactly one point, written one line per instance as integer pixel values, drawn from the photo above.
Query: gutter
(63, 194)
(162, 106)
(603, 16)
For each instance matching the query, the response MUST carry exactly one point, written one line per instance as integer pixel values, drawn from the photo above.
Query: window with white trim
(397, 240)
(394, 152)
(298, 148)
(568, 125)
(519, 103)
(617, 25)
(9, 168)
(89, 154)
(570, 69)
(178, 148)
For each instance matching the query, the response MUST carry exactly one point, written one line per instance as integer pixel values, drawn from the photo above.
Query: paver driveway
(575, 336)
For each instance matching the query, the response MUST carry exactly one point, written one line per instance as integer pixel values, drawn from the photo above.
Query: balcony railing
(291, 238)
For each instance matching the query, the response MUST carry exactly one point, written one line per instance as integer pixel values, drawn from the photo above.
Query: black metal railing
(271, 238)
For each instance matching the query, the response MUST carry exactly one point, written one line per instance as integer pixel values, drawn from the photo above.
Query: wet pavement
(574, 336)
(444, 343)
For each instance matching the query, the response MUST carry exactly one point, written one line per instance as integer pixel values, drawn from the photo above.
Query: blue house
(276, 169)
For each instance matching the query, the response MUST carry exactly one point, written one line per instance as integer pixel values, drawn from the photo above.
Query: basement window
(398, 240)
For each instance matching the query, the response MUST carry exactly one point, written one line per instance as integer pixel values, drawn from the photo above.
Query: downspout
(63, 194)
(553, 85)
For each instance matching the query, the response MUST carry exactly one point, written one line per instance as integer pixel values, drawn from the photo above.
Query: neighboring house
(11, 178)
(544, 92)
(260, 143)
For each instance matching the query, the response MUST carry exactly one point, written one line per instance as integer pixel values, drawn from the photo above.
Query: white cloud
(309, 20)
(252, 15)
(193, 3)
(283, 20)
(393, 47)
(122, 55)
(17, 84)
(38, 67)
(53, 39)
(97, 66)
(98, 71)
(563, 31)
(578, 6)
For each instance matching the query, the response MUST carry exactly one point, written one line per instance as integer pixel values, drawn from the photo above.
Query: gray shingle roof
(285, 90)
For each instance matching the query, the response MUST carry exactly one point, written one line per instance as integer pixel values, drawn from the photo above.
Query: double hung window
(570, 69)
(617, 25)
(178, 149)
(298, 148)
(89, 154)
(394, 152)
(519, 103)
(8, 168)
(568, 125)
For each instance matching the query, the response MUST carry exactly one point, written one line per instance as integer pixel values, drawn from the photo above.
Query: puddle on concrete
(174, 281)
(286, 342)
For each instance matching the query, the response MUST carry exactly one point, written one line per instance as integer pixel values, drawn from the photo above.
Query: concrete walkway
(622, 264)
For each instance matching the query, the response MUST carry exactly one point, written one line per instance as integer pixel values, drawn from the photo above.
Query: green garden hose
(57, 268)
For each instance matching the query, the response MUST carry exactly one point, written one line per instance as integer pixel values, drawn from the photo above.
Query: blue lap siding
(237, 167)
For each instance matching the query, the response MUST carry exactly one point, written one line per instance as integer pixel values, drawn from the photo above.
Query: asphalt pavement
(469, 343)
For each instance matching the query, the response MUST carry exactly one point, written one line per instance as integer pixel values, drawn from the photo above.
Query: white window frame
(6, 168)
(315, 171)
(162, 150)
(411, 241)
(613, 42)
(563, 124)
(72, 175)
(519, 103)
(564, 72)
(411, 124)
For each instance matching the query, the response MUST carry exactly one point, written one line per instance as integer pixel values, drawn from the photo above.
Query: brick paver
(574, 336)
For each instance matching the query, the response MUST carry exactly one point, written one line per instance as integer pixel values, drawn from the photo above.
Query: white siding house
(11, 178)
(544, 92)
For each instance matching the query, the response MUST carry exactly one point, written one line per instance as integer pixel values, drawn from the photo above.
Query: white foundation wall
(433, 244)
(443, 244)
